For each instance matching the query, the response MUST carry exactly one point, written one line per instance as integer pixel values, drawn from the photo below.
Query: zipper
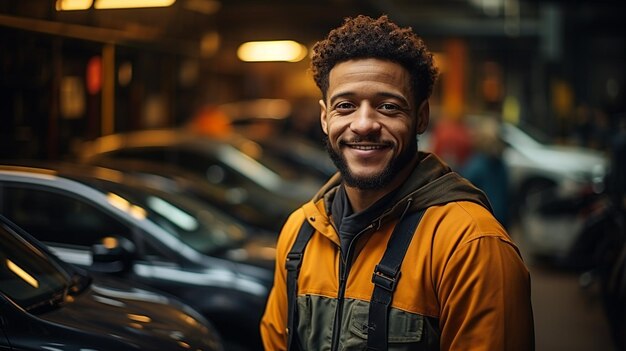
(344, 269)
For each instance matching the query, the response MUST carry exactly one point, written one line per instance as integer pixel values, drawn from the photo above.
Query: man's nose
(365, 120)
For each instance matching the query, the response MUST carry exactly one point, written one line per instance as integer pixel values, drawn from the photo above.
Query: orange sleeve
(274, 319)
(485, 298)
(274, 322)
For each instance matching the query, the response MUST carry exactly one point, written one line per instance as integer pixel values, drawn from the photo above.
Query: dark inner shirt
(349, 223)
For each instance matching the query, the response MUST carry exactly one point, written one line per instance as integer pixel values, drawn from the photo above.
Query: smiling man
(396, 251)
(371, 121)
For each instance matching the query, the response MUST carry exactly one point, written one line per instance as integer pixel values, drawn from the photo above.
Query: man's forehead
(363, 74)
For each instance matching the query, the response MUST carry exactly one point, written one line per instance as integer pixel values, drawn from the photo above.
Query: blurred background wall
(74, 70)
(70, 71)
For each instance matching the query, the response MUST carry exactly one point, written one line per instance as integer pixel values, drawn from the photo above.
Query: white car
(535, 166)
(550, 184)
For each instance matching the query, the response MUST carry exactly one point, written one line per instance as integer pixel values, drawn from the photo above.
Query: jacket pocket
(405, 329)
(315, 322)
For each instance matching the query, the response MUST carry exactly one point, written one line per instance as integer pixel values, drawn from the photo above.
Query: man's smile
(366, 147)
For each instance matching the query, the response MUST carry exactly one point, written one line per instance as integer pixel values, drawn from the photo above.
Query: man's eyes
(344, 106)
(384, 106)
(388, 107)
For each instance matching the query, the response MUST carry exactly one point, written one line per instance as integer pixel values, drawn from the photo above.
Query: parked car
(551, 187)
(46, 304)
(299, 152)
(105, 221)
(234, 162)
(260, 218)
(536, 165)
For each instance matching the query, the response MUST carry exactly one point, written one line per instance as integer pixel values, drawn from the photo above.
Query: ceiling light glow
(125, 4)
(72, 5)
(281, 50)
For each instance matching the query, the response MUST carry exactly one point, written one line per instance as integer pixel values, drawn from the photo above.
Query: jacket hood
(431, 183)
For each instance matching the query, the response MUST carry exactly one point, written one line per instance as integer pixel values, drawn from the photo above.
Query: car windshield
(27, 275)
(204, 228)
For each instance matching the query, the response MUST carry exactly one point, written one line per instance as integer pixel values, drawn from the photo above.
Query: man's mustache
(366, 139)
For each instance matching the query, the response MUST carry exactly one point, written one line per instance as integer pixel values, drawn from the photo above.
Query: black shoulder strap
(293, 263)
(385, 279)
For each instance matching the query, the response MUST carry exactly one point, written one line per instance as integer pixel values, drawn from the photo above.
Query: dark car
(256, 214)
(106, 221)
(46, 304)
(300, 153)
(235, 163)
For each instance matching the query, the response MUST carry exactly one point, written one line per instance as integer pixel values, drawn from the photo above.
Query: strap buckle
(385, 278)
(293, 261)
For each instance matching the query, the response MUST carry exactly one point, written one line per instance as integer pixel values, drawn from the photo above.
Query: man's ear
(323, 116)
(423, 117)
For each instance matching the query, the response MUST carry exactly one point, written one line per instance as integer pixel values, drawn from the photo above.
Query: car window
(201, 164)
(209, 167)
(56, 217)
(27, 277)
(204, 228)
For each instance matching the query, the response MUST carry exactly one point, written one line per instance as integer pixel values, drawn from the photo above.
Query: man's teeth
(366, 147)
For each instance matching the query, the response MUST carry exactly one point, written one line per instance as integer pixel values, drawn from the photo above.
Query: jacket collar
(431, 183)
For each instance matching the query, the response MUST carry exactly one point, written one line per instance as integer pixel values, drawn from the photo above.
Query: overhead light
(281, 50)
(71, 5)
(125, 4)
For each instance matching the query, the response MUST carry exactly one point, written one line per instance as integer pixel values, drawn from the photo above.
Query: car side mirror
(112, 255)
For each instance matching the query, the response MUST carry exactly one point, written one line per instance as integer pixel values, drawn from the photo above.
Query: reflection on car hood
(149, 320)
(562, 159)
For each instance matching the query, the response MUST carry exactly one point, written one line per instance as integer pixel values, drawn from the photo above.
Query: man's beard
(376, 181)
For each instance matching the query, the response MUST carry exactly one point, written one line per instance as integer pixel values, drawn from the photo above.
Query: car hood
(572, 161)
(137, 316)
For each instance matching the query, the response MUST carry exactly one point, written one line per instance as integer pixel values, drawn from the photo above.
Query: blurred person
(486, 168)
(452, 142)
(453, 280)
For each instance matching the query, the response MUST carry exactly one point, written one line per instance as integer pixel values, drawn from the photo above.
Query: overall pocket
(315, 321)
(406, 330)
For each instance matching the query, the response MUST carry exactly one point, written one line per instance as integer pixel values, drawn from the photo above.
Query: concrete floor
(568, 316)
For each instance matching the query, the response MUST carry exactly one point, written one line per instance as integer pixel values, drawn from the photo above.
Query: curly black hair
(365, 37)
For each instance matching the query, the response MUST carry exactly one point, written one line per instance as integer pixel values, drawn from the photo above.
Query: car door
(71, 225)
